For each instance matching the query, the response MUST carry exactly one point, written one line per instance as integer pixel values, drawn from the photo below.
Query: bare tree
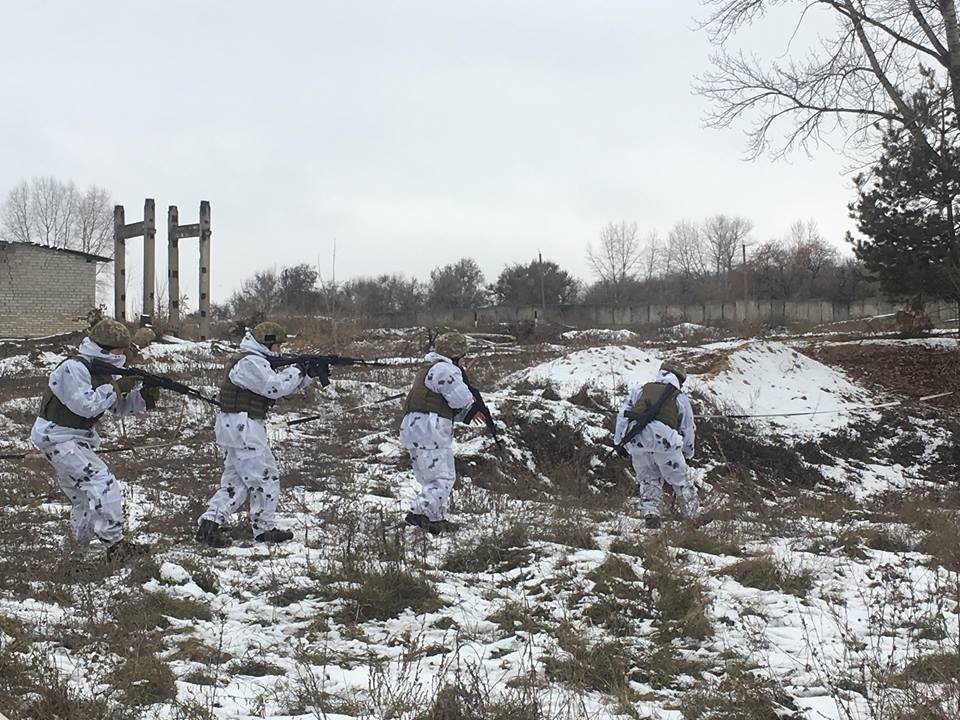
(863, 74)
(723, 236)
(809, 249)
(685, 248)
(617, 257)
(652, 256)
(93, 221)
(50, 212)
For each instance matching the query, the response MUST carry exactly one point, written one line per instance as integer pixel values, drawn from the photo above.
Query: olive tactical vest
(669, 414)
(423, 399)
(55, 410)
(235, 399)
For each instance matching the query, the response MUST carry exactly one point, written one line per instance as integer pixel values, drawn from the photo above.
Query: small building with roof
(45, 290)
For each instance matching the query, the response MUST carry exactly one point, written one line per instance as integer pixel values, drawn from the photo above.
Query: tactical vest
(423, 399)
(235, 399)
(55, 410)
(669, 414)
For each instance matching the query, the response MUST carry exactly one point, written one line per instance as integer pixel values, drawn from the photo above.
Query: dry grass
(501, 551)
(740, 695)
(387, 591)
(767, 573)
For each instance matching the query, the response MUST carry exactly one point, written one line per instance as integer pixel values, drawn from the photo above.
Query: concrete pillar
(204, 304)
(119, 265)
(149, 257)
(173, 265)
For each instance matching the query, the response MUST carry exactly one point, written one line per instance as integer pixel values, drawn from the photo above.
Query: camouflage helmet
(268, 333)
(676, 368)
(110, 334)
(143, 337)
(452, 345)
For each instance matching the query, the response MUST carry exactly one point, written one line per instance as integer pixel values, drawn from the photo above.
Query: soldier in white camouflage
(439, 397)
(76, 398)
(250, 388)
(660, 451)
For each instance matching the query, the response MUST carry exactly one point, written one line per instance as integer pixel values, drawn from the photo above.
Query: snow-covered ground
(551, 596)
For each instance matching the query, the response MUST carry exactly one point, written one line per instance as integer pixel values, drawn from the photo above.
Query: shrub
(386, 592)
(766, 573)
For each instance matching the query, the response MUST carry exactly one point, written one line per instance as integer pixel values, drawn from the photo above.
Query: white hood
(90, 350)
(665, 376)
(249, 344)
(433, 357)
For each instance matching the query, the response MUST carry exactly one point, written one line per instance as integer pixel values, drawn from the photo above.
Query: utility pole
(543, 296)
(746, 293)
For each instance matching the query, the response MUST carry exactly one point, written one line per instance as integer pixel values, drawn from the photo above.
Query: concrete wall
(766, 312)
(44, 291)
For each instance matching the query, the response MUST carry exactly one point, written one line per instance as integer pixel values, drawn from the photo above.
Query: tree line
(712, 260)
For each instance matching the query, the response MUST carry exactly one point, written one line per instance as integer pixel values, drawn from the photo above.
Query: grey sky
(415, 133)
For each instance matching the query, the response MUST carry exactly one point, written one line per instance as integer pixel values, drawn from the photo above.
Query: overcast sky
(415, 133)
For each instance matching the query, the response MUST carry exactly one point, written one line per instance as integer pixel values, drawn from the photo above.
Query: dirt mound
(911, 370)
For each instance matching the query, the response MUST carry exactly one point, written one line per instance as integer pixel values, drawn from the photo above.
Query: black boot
(209, 533)
(274, 536)
(124, 550)
(651, 522)
(437, 527)
(422, 522)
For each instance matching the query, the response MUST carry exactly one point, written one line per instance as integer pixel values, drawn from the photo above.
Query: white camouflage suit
(660, 453)
(249, 468)
(95, 495)
(429, 438)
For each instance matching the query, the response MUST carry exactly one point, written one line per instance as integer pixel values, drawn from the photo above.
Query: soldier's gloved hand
(304, 370)
(318, 371)
(126, 383)
(150, 395)
(116, 389)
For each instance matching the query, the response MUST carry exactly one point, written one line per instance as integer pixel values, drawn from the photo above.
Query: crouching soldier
(438, 398)
(250, 388)
(660, 448)
(77, 396)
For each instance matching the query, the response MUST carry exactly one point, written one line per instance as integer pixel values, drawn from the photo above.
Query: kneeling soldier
(77, 396)
(660, 450)
(250, 388)
(438, 398)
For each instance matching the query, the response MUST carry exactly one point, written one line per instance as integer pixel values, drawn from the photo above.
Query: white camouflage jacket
(669, 439)
(254, 373)
(429, 431)
(72, 383)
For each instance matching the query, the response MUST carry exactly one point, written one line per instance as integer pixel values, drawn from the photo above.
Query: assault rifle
(318, 366)
(151, 380)
(644, 417)
(478, 407)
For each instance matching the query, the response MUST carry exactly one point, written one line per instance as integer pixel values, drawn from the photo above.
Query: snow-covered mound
(609, 369)
(687, 330)
(764, 378)
(600, 335)
(769, 378)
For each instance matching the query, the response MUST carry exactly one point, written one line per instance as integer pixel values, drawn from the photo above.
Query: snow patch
(769, 378)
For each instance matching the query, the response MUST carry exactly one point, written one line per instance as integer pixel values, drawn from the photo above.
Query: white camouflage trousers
(436, 473)
(247, 474)
(96, 500)
(652, 469)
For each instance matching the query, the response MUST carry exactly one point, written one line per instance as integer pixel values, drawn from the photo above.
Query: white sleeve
(72, 384)
(687, 426)
(622, 421)
(256, 375)
(446, 379)
(129, 404)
